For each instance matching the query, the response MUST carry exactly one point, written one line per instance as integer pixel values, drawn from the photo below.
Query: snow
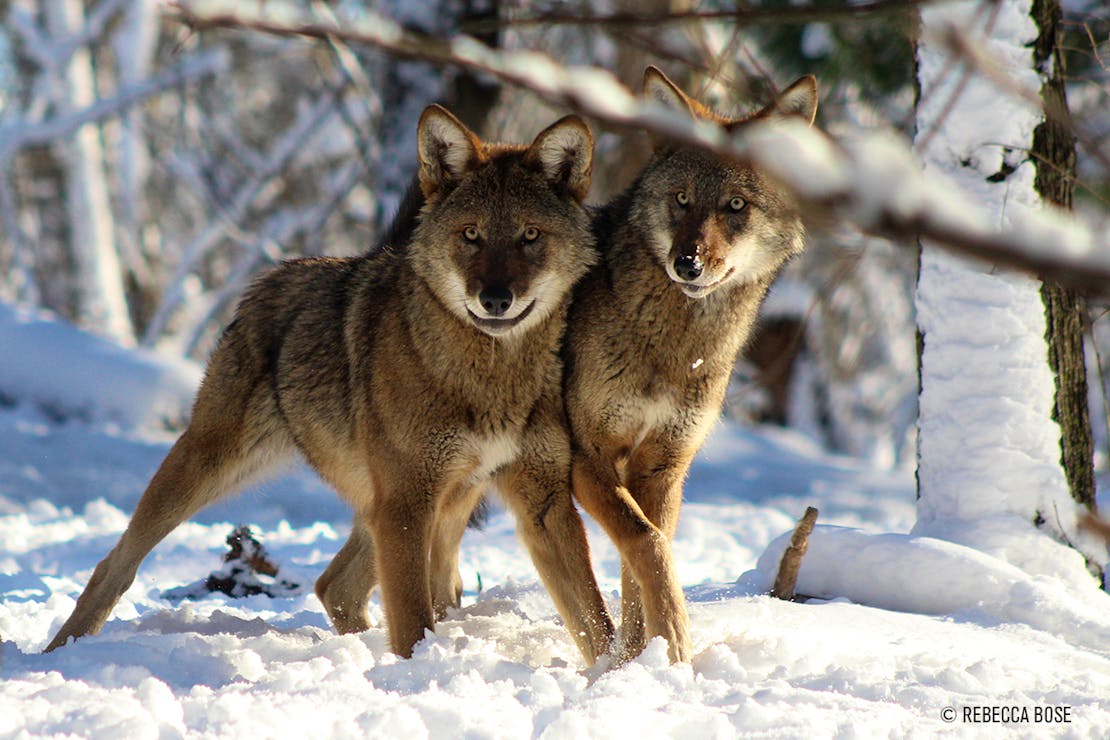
(928, 575)
(905, 626)
(70, 373)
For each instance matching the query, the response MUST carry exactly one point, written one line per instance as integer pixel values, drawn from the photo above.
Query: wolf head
(712, 221)
(503, 235)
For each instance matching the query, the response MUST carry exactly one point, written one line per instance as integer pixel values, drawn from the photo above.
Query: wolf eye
(470, 233)
(737, 204)
(682, 198)
(531, 234)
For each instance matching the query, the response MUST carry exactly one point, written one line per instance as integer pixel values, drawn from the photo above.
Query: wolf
(688, 253)
(410, 378)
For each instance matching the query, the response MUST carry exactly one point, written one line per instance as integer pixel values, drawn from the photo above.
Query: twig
(787, 579)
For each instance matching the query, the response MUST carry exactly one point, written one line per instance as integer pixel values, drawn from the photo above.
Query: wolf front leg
(345, 585)
(538, 492)
(401, 524)
(643, 546)
(654, 478)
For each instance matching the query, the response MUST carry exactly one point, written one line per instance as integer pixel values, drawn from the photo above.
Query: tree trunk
(1054, 156)
(101, 302)
(473, 96)
(987, 442)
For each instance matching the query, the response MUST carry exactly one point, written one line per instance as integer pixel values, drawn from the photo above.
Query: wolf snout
(688, 266)
(496, 300)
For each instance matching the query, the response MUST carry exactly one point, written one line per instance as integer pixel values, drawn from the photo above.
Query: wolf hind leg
(451, 522)
(345, 585)
(234, 436)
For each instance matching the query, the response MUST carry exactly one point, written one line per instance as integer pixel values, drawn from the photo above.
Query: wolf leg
(642, 545)
(633, 638)
(345, 585)
(218, 453)
(450, 524)
(654, 478)
(401, 525)
(555, 536)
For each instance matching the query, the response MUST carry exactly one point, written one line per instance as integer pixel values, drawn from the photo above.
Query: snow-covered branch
(18, 132)
(871, 181)
(52, 53)
(283, 151)
(743, 13)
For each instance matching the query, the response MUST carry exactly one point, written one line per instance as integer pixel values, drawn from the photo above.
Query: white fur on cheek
(454, 293)
(750, 260)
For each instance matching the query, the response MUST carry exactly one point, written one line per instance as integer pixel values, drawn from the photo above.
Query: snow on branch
(743, 13)
(871, 181)
(21, 132)
(282, 152)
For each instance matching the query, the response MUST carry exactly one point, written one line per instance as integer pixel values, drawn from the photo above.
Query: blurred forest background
(147, 171)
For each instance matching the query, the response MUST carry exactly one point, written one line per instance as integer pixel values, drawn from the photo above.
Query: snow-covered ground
(932, 627)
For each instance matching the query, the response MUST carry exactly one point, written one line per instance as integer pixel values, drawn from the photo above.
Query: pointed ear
(564, 152)
(659, 88)
(800, 99)
(447, 149)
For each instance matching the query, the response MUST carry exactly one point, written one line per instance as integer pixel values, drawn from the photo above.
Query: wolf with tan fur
(410, 379)
(688, 253)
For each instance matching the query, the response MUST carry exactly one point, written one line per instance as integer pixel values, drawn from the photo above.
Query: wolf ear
(447, 149)
(658, 87)
(800, 99)
(565, 152)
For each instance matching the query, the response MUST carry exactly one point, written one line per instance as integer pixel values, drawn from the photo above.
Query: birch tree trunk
(989, 447)
(100, 297)
(134, 45)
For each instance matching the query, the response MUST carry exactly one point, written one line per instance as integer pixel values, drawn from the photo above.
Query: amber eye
(531, 234)
(682, 198)
(737, 204)
(470, 233)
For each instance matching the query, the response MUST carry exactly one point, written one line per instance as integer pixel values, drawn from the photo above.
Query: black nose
(688, 266)
(496, 300)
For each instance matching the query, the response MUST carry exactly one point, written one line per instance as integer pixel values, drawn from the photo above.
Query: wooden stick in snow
(787, 578)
